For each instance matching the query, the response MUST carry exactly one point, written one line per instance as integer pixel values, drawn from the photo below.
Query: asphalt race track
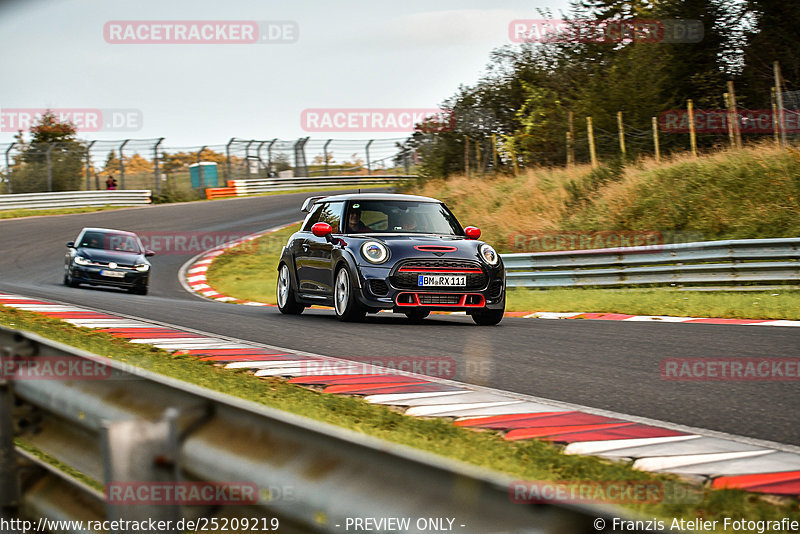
(609, 365)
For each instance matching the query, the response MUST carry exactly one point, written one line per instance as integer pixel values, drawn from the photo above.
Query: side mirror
(70, 244)
(148, 252)
(473, 232)
(321, 229)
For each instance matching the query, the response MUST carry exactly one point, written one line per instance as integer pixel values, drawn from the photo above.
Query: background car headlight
(489, 255)
(80, 260)
(375, 252)
(143, 268)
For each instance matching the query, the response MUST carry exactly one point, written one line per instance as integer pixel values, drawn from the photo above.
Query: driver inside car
(354, 224)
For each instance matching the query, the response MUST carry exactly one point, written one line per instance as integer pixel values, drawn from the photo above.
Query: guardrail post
(140, 453)
(9, 485)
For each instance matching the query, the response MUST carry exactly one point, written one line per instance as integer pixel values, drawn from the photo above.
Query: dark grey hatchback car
(106, 257)
(362, 253)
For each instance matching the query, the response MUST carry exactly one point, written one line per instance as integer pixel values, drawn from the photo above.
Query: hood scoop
(435, 248)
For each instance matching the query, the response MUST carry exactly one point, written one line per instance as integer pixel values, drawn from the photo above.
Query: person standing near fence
(111, 183)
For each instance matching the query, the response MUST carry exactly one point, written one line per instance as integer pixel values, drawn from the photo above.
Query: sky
(336, 55)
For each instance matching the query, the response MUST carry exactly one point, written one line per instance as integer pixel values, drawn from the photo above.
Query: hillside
(749, 193)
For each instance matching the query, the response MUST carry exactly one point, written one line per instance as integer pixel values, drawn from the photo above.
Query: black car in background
(362, 253)
(105, 257)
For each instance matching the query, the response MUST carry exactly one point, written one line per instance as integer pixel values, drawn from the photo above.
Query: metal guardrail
(722, 262)
(250, 187)
(70, 199)
(135, 426)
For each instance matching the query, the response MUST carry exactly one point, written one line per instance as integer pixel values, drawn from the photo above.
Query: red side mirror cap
(473, 232)
(321, 229)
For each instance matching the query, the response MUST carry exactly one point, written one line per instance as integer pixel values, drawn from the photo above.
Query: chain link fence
(180, 173)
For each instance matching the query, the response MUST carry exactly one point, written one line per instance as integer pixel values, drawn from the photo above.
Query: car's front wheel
(286, 301)
(487, 317)
(345, 302)
(68, 280)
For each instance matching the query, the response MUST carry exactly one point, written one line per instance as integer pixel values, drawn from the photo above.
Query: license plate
(113, 274)
(442, 280)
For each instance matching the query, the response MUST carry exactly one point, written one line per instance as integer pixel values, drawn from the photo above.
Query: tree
(52, 160)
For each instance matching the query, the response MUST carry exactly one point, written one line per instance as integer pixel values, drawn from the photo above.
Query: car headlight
(375, 252)
(80, 260)
(143, 268)
(489, 254)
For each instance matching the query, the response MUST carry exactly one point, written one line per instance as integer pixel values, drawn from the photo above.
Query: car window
(327, 212)
(393, 216)
(110, 241)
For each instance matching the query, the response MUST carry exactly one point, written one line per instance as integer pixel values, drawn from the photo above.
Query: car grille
(409, 280)
(378, 287)
(438, 298)
(496, 288)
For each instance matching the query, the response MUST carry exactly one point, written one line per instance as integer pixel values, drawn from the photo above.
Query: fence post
(571, 140)
(478, 169)
(8, 167)
(776, 68)
(258, 155)
(50, 148)
(157, 175)
(201, 173)
(88, 166)
(369, 165)
(325, 155)
(122, 165)
(692, 136)
(228, 158)
(737, 131)
(466, 156)
(592, 150)
(621, 129)
(300, 164)
(774, 106)
(269, 155)
(655, 140)
(494, 152)
(731, 119)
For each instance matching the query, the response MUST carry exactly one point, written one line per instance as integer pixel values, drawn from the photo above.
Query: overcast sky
(347, 54)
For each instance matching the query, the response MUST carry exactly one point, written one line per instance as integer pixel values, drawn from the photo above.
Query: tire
(417, 315)
(138, 290)
(69, 281)
(345, 304)
(488, 317)
(287, 303)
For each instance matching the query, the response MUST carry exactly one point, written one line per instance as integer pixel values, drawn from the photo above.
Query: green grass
(524, 460)
(15, 214)
(250, 271)
(777, 304)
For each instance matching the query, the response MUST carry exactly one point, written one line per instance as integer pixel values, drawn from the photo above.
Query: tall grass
(748, 193)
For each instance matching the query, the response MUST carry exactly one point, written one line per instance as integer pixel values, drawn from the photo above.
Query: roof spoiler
(309, 203)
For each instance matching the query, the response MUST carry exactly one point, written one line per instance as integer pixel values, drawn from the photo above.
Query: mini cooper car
(105, 257)
(362, 253)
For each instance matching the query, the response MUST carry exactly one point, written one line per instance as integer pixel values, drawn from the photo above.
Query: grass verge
(16, 214)
(524, 460)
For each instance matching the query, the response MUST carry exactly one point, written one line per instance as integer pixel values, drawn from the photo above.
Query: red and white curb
(721, 460)
(193, 278)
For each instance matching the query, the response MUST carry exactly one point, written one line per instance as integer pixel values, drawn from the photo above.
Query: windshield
(399, 216)
(110, 241)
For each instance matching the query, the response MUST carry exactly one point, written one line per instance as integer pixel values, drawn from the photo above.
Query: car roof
(378, 196)
(108, 230)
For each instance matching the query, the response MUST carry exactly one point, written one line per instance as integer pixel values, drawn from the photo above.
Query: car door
(320, 268)
(301, 252)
